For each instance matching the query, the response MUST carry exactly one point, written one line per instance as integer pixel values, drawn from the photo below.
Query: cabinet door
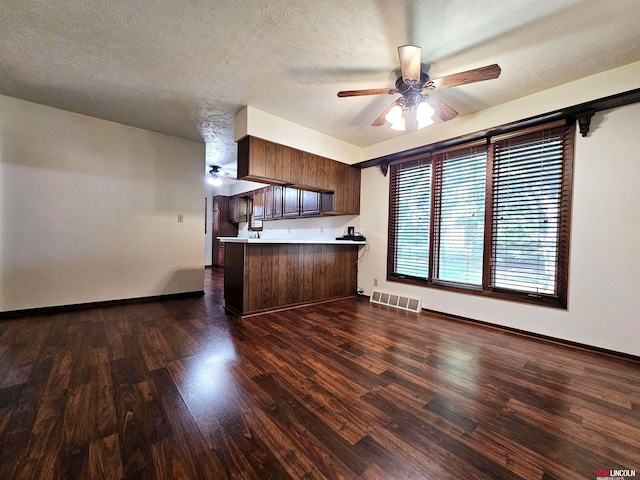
(242, 209)
(268, 202)
(278, 199)
(291, 202)
(310, 165)
(258, 204)
(283, 163)
(296, 166)
(233, 209)
(270, 152)
(323, 175)
(309, 203)
(220, 254)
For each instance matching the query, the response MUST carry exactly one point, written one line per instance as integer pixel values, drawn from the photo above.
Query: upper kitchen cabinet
(267, 162)
(345, 198)
(237, 209)
(257, 161)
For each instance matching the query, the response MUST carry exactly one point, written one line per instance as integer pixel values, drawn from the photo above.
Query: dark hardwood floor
(177, 389)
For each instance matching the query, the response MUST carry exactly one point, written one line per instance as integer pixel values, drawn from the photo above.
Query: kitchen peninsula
(266, 274)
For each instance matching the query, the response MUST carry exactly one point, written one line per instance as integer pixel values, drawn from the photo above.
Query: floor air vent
(397, 301)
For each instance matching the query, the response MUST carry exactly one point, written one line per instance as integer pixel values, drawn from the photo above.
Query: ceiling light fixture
(424, 114)
(214, 177)
(409, 102)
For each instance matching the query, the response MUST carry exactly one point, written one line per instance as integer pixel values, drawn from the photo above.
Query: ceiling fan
(216, 174)
(415, 86)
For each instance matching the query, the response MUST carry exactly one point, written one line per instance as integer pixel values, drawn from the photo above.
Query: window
(412, 210)
(459, 218)
(489, 217)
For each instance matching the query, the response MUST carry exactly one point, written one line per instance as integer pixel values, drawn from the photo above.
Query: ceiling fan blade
(381, 120)
(443, 111)
(371, 91)
(470, 76)
(410, 58)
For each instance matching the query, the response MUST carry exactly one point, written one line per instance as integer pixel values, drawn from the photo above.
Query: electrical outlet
(375, 282)
(180, 218)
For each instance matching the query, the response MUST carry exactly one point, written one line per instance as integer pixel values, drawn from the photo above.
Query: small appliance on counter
(352, 235)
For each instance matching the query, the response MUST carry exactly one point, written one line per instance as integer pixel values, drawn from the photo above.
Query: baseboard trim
(263, 311)
(537, 336)
(104, 303)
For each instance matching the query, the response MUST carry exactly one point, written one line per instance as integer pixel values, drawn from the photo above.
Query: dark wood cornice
(581, 112)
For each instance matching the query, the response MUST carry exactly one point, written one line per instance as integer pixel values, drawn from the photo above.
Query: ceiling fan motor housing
(411, 91)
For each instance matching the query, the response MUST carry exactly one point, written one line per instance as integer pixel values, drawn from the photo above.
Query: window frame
(559, 298)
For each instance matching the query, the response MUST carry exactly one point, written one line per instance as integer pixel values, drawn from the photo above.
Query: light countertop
(321, 241)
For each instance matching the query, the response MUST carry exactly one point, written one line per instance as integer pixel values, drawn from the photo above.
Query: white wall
(604, 276)
(251, 121)
(89, 209)
(319, 227)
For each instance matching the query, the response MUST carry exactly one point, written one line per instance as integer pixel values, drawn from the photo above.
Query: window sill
(521, 297)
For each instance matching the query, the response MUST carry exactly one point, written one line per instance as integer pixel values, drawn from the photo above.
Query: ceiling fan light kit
(399, 125)
(394, 115)
(413, 86)
(214, 177)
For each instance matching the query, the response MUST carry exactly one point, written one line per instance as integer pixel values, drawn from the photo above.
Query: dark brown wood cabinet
(345, 199)
(267, 162)
(267, 193)
(233, 209)
(258, 160)
(278, 199)
(291, 202)
(238, 208)
(220, 227)
(258, 204)
(220, 255)
(283, 163)
(309, 203)
(260, 277)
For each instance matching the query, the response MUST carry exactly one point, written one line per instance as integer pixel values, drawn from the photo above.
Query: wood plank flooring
(177, 389)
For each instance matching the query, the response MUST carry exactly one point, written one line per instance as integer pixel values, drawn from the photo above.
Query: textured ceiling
(186, 67)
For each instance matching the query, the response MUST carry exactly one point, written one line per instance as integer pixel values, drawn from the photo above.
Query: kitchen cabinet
(259, 160)
(278, 199)
(267, 193)
(220, 255)
(283, 163)
(345, 199)
(238, 209)
(220, 227)
(258, 204)
(243, 208)
(264, 276)
(233, 209)
(275, 164)
(309, 203)
(291, 202)
(274, 202)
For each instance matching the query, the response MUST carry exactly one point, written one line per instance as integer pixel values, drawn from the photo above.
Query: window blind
(527, 205)
(410, 205)
(489, 219)
(460, 187)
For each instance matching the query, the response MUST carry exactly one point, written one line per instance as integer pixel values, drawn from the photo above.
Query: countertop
(321, 241)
